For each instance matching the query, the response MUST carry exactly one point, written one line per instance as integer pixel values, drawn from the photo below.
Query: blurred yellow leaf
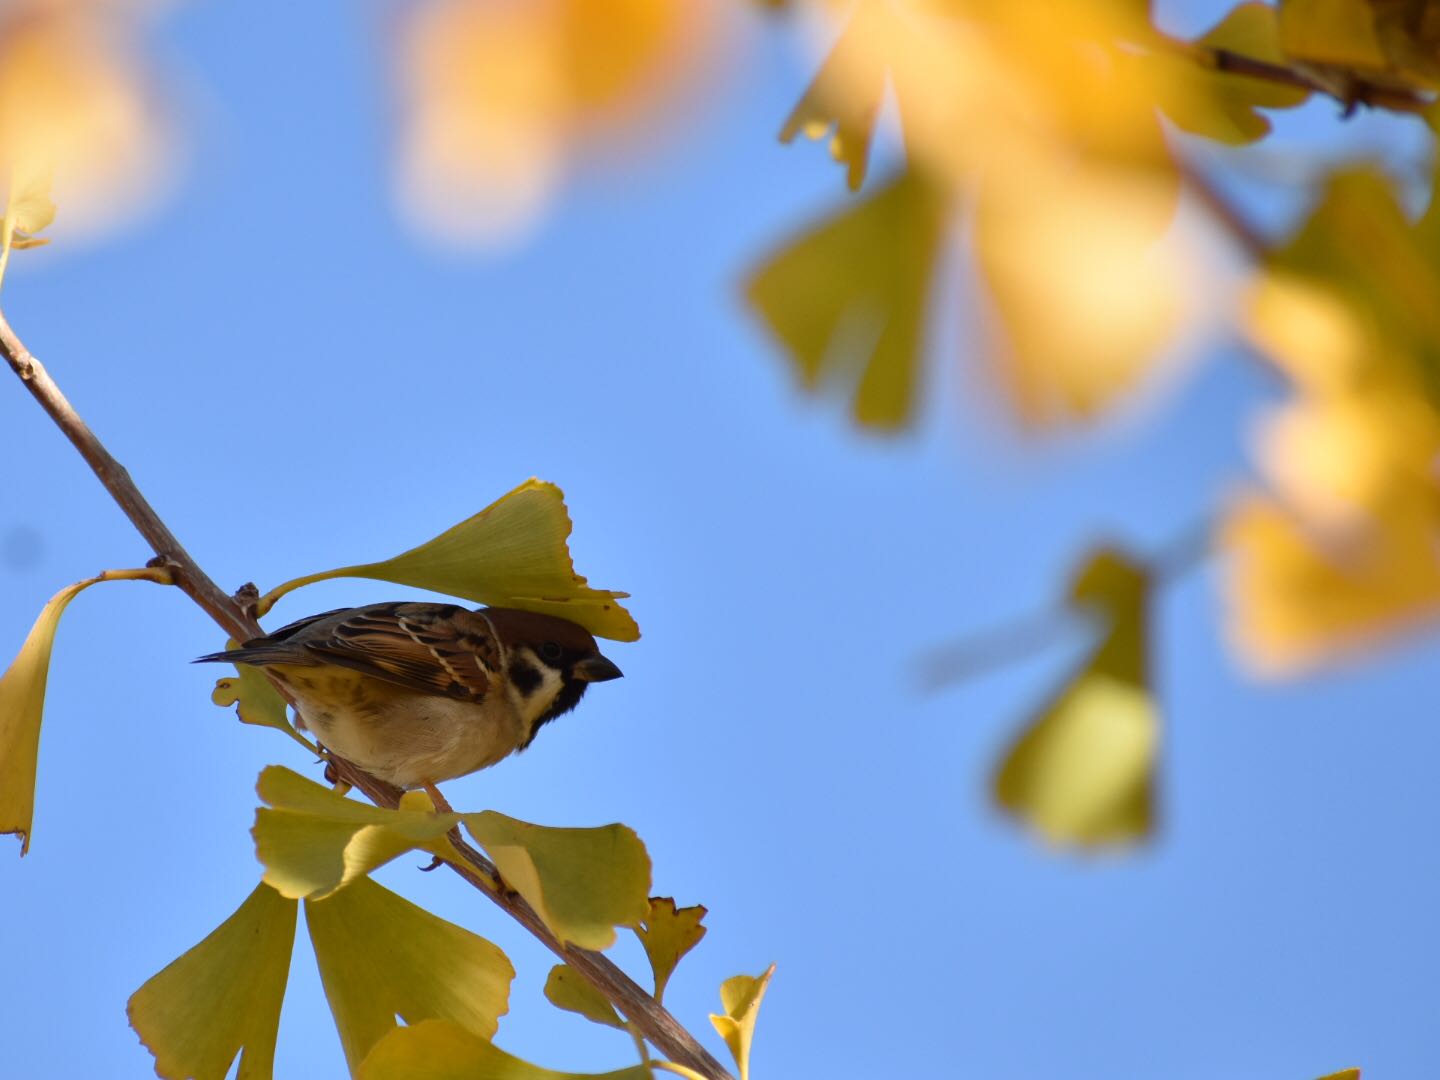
(1294, 604)
(1389, 42)
(514, 553)
(582, 882)
(222, 997)
(500, 98)
(1343, 1074)
(437, 1050)
(1085, 289)
(380, 957)
(1330, 31)
(314, 841)
(567, 989)
(76, 107)
(847, 300)
(22, 704)
(668, 933)
(845, 97)
(1221, 105)
(28, 209)
(1380, 273)
(740, 996)
(1347, 552)
(1082, 772)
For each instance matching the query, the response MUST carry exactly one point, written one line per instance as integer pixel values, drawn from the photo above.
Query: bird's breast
(403, 737)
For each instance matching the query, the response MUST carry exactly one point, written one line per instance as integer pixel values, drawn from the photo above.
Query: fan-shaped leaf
(847, 299)
(668, 933)
(381, 956)
(1082, 772)
(314, 840)
(567, 989)
(438, 1050)
(222, 997)
(22, 704)
(741, 997)
(514, 553)
(582, 882)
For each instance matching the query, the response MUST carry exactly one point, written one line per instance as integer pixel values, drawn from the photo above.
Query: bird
(418, 693)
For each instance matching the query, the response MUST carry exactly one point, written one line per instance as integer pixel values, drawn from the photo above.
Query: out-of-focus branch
(1346, 87)
(668, 1035)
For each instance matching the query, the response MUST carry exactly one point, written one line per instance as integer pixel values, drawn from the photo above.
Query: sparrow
(418, 693)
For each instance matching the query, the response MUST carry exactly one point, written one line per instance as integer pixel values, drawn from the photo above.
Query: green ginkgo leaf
(22, 704)
(222, 997)
(741, 997)
(668, 933)
(380, 957)
(1083, 770)
(514, 553)
(847, 300)
(255, 698)
(313, 840)
(437, 1050)
(567, 989)
(582, 882)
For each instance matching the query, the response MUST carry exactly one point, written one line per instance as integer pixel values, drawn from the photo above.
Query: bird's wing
(433, 648)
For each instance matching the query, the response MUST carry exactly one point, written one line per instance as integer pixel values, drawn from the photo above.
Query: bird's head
(549, 662)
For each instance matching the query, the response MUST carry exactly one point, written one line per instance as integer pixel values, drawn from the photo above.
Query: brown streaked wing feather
(434, 648)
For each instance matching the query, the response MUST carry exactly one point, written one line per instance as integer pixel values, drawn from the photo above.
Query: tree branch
(667, 1034)
(1346, 87)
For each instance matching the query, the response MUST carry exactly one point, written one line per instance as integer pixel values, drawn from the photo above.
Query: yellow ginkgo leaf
(438, 1050)
(1085, 287)
(582, 882)
(78, 105)
(1331, 32)
(380, 957)
(1343, 1074)
(845, 96)
(313, 841)
(255, 699)
(498, 98)
(22, 704)
(1359, 269)
(847, 300)
(1293, 604)
(222, 997)
(567, 989)
(668, 933)
(514, 553)
(1221, 105)
(1082, 771)
(741, 996)
(28, 210)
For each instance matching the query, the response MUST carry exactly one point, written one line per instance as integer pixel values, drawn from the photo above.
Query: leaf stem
(662, 1029)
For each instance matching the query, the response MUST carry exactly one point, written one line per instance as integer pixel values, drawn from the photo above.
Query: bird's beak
(597, 669)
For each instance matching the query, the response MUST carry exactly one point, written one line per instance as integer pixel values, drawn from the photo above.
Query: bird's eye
(550, 650)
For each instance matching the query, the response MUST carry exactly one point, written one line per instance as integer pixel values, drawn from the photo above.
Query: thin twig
(668, 1034)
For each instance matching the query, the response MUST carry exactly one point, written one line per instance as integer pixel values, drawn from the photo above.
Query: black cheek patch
(524, 677)
(571, 691)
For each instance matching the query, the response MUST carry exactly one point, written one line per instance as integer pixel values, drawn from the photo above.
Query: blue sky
(297, 383)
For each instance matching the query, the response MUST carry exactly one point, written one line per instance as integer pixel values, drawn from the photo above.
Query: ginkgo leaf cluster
(382, 957)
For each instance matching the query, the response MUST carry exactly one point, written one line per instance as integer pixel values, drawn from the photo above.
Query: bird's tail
(254, 655)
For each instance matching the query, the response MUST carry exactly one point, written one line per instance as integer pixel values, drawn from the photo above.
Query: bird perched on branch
(417, 693)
